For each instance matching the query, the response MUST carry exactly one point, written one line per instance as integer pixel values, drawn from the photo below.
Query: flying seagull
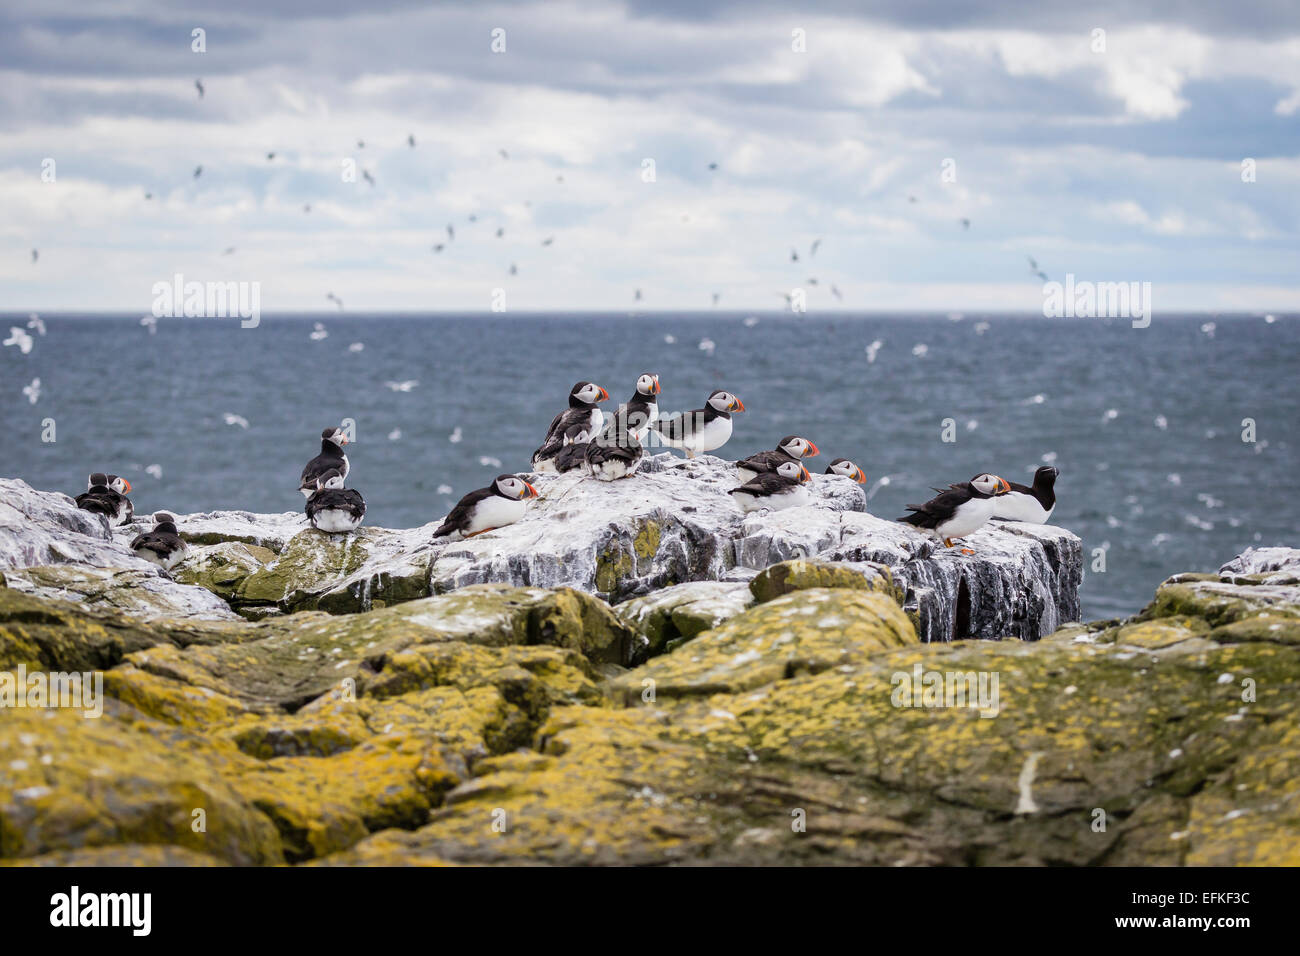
(965, 223)
(228, 250)
(438, 247)
(794, 255)
(716, 297)
(504, 154)
(813, 250)
(365, 174)
(410, 140)
(35, 255)
(514, 269)
(548, 240)
(198, 85)
(270, 156)
(198, 171)
(335, 299)
(1033, 267)
(361, 144)
(713, 166)
(836, 292)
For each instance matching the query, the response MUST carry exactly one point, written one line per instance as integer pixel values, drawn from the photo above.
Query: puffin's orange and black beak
(604, 395)
(343, 439)
(736, 406)
(128, 486)
(813, 451)
(658, 389)
(803, 474)
(1003, 486)
(531, 492)
(859, 476)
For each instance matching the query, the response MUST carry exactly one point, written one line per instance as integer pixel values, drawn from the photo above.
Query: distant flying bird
(361, 144)
(500, 231)
(34, 321)
(198, 85)
(198, 171)
(836, 292)
(405, 386)
(504, 154)
(451, 232)
(1033, 267)
(438, 247)
(636, 296)
(150, 322)
(713, 166)
(514, 269)
(794, 255)
(965, 223)
(911, 199)
(33, 391)
(19, 338)
(270, 156)
(229, 250)
(233, 419)
(473, 217)
(716, 297)
(812, 281)
(35, 255)
(335, 299)
(148, 195)
(365, 174)
(410, 140)
(559, 179)
(548, 240)
(306, 207)
(813, 250)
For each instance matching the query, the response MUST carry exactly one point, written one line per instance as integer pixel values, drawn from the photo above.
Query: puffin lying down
(501, 503)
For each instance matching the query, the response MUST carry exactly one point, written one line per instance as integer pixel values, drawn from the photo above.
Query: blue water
(1184, 497)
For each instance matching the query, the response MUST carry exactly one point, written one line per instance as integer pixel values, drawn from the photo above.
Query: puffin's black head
(97, 480)
(797, 447)
(842, 466)
(1045, 477)
(724, 401)
(987, 486)
(335, 436)
(586, 394)
(648, 384)
(162, 521)
(513, 487)
(120, 485)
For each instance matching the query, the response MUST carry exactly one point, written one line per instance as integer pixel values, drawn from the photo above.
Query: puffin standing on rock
(842, 466)
(642, 409)
(332, 508)
(582, 411)
(331, 458)
(1033, 504)
(501, 503)
(163, 545)
(702, 429)
(790, 448)
(615, 454)
(959, 510)
(786, 487)
(107, 495)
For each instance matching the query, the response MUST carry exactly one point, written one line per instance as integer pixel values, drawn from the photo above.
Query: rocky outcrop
(805, 722)
(623, 541)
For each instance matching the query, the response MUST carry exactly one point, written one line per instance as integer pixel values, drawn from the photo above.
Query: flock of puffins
(582, 439)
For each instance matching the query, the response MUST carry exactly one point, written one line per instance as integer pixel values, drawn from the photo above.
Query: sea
(1177, 444)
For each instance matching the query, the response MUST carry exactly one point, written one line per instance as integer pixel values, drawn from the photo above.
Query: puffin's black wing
(336, 499)
(676, 426)
(317, 467)
(159, 542)
(458, 517)
(764, 461)
(939, 508)
(600, 452)
(100, 502)
(571, 457)
(766, 483)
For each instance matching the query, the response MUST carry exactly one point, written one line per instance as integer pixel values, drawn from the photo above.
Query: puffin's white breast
(970, 516)
(1018, 506)
(495, 512)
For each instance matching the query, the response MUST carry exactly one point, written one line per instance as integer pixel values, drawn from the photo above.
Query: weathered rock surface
(495, 724)
(674, 523)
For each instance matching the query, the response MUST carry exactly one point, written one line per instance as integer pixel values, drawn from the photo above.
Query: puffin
(1033, 503)
(333, 509)
(775, 490)
(331, 458)
(615, 454)
(790, 448)
(573, 456)
(501, 503)
(161, 546)
(641, 410)
(546, 459)
(958, 510)
(582, 411)
(107, 495)
(702, 429)
(842, 466)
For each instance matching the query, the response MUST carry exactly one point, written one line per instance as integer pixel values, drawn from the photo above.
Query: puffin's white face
(591, 394)
(800, 448)
(120, 485)
(338, 437)
(515, 488)
(648, 384)
(578, 437)
(792, 469)
(726, 402)
(334, 482)
(990, 485)
(849, 470)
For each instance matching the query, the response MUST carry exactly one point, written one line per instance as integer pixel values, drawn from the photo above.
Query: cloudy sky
(1115, 164)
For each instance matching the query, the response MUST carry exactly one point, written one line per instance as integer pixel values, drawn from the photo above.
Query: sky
(876, 128)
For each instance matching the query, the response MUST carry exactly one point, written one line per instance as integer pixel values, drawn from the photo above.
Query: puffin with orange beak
(702, 429)
(582, 413)
(501, 503)
(331, 458)
(958, 510)
(790, 448)
(842, 466)
(786, 487)
(642, 408)
(107, 495)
